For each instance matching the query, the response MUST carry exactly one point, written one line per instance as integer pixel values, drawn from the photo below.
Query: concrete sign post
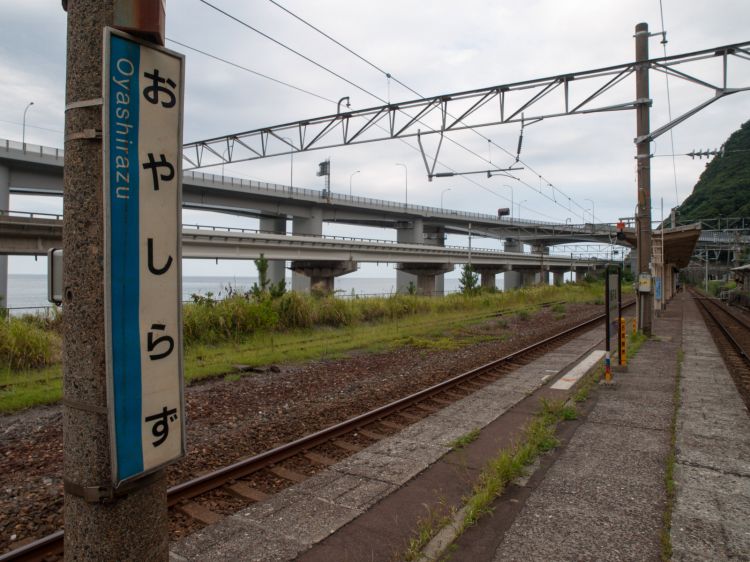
(104, 522)
(143, 91)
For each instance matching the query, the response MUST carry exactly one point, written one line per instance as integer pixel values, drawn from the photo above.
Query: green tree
(469, 280)
(264, 288)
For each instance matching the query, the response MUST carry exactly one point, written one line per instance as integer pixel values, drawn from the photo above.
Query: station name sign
(142, 140)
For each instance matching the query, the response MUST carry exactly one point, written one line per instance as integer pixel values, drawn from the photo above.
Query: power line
(282, 45)
(332, 72)
(238, 66)
(250, 70)
(31, 126)
(391, 77)
(360, 57)
(669, 104)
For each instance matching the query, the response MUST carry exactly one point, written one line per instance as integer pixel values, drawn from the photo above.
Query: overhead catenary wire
(250, 70)
(390, 77)
(303, 90)
(364, 90)
(669, 104)
(260, 74)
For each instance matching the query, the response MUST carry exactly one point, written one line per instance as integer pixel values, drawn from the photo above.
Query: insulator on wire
(520, 141)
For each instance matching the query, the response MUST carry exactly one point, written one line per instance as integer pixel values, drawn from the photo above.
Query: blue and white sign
(143, 92)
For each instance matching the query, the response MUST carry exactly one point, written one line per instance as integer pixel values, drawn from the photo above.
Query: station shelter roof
(679, 243)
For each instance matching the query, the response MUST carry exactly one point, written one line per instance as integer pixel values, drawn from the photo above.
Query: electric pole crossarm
(359, 126)
(370, 122)
(614, 81)
(664, 128)
(239, 141)
(489, 96)
(539, 95)
(668, 70)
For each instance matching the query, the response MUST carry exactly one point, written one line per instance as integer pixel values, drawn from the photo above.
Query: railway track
(314, 449)
(730, 330)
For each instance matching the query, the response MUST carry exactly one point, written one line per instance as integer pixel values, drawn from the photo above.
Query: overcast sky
(435, 48)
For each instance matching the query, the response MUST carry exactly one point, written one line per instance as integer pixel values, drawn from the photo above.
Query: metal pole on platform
(100, 523)
(645, 299)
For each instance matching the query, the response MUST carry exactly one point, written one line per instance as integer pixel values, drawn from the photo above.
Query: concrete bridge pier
(574, 274)
(4, 206)
(512, 277)
(408, 232)
(487, 275)
(435, 236)
(276, 225)
(558, 276)
(320, 275)
(311, 225)
(529, 277)
(542, 250)
(425, 274)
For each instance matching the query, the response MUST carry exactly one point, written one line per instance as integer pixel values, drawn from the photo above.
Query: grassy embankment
(218, 335)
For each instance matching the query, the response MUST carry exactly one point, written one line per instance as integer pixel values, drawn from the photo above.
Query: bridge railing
(28, 148)
(317, 195)
(30, 215)
(327, 237)
(7, 145)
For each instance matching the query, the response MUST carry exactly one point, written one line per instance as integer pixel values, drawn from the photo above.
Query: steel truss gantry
(495, 105)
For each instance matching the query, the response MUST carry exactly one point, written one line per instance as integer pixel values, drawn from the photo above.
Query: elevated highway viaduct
(37, 170)
(321, 258)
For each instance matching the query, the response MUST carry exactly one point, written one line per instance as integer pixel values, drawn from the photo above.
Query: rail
(53, 544)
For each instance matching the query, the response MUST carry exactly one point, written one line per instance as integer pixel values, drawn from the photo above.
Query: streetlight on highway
(593, 215)
(350, 181)
(519, 208)
(441, 196)
(291, 162)
(23, 130)
(406, 183)
(511, 199)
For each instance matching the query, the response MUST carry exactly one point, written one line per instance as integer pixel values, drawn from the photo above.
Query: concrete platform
(600, 496)
(711, 518)
(367, 506)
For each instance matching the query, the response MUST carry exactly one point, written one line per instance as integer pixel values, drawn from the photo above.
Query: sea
(27, 293)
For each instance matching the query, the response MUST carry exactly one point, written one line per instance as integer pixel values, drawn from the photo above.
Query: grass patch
(666, 531)
(20, 397)
(461, 442)
(293, 328)
(427, 528)
(558, 309)
(539, 437)
(25, 343)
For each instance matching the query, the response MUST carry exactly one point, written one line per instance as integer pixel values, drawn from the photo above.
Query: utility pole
(645, 298)
(101, 522)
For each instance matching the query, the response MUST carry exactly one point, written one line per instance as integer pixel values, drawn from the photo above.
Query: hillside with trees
(723, 189)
